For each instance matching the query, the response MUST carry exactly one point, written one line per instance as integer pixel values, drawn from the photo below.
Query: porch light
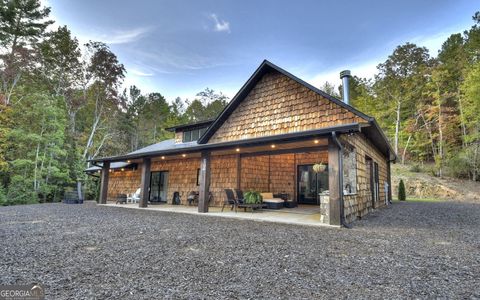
(238, 149)
(273, 146)
(129, 161)
(123, 169)
(110, 170)
(316, 141)
(184, 155)
(163, 157)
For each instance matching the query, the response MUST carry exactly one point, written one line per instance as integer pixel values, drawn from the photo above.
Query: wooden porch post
(204, 182)
(104, 182)
(389, 180)
(145, 183)
(334, 181)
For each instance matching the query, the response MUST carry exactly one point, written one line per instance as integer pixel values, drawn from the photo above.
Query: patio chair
(192, 198)
(176, 199)
(230, 200)
(135, 197)
(121, 198)
(239, 194)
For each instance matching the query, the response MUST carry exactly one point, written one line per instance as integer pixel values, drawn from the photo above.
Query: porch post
(334, 182)
(389, 179)
(145, 182)
(204, 182)
(104, 182)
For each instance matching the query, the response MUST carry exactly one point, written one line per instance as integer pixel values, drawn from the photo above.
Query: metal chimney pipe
(345, 76)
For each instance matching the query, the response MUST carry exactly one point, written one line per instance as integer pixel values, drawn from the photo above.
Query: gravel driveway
(420, 250)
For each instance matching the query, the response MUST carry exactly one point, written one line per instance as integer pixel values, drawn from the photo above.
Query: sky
(179, 47)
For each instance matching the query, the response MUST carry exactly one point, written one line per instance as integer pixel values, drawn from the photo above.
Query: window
(193, 134)
(349, 170)
(187, 136)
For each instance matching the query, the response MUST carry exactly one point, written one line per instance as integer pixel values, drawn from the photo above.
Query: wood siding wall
(182, 176)
(358, 205)
(126, 182)
(278, 105)
(275, 173)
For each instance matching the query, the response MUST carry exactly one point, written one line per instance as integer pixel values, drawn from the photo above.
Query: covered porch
(270, 164)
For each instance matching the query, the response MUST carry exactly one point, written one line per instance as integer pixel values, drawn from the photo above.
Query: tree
(105, 73)
(329, 88)
(207, 106)
(399, 82)
(22, 24)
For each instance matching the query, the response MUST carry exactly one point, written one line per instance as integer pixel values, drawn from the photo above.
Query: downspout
(340, 171)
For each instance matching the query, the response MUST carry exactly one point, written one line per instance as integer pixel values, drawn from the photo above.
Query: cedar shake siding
(278, 105)
(123, 182)
(359, 204)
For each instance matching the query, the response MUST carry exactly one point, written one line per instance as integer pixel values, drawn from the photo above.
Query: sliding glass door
(158, 186)
(310, 184)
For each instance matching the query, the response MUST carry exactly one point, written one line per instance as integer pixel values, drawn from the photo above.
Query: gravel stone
(408, 250)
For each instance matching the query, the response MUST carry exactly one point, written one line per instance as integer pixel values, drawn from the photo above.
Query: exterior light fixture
(273, 146)
(316, 141)
(238, 149)
(163, 157)
(129, 161)
(110, 170)
(184, 155)
(123, 169)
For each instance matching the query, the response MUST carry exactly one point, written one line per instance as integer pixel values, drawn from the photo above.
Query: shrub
(415, 168)
(401, 191)
(3, 197)
(20, 192)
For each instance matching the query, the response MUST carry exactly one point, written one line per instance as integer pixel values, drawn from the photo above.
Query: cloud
(139, 73)
(116, 36)
(220, 25)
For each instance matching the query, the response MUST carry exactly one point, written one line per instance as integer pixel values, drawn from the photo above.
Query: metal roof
(114, 165)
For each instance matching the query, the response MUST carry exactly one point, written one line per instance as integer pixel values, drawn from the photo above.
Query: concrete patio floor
(301, 215)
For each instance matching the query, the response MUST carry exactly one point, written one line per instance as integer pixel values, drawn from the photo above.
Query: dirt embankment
(423, 185)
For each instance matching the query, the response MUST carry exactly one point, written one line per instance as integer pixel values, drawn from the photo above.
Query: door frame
(371, 180)
(150, 185)
(297, 189)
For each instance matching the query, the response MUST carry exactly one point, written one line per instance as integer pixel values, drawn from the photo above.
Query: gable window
(349, 170)
(193, 134)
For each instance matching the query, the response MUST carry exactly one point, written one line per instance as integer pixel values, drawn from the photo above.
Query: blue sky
(178, 48)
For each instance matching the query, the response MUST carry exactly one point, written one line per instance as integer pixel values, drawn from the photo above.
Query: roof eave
(345, 128)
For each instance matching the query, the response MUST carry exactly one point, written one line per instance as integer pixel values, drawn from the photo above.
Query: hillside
(424, 185)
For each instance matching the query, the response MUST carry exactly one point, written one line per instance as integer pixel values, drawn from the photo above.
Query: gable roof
(193, 125)
(264, 68)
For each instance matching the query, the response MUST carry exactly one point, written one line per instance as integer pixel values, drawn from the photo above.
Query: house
(267, 139)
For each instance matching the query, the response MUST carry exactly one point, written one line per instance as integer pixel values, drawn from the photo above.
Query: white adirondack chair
(135, 197)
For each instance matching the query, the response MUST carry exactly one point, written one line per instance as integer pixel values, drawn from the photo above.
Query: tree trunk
(397, 125)
(440, 135)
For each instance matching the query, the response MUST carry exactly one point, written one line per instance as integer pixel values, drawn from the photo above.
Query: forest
(62, 103)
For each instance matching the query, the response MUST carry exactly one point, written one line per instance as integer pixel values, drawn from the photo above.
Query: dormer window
(192, 135)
